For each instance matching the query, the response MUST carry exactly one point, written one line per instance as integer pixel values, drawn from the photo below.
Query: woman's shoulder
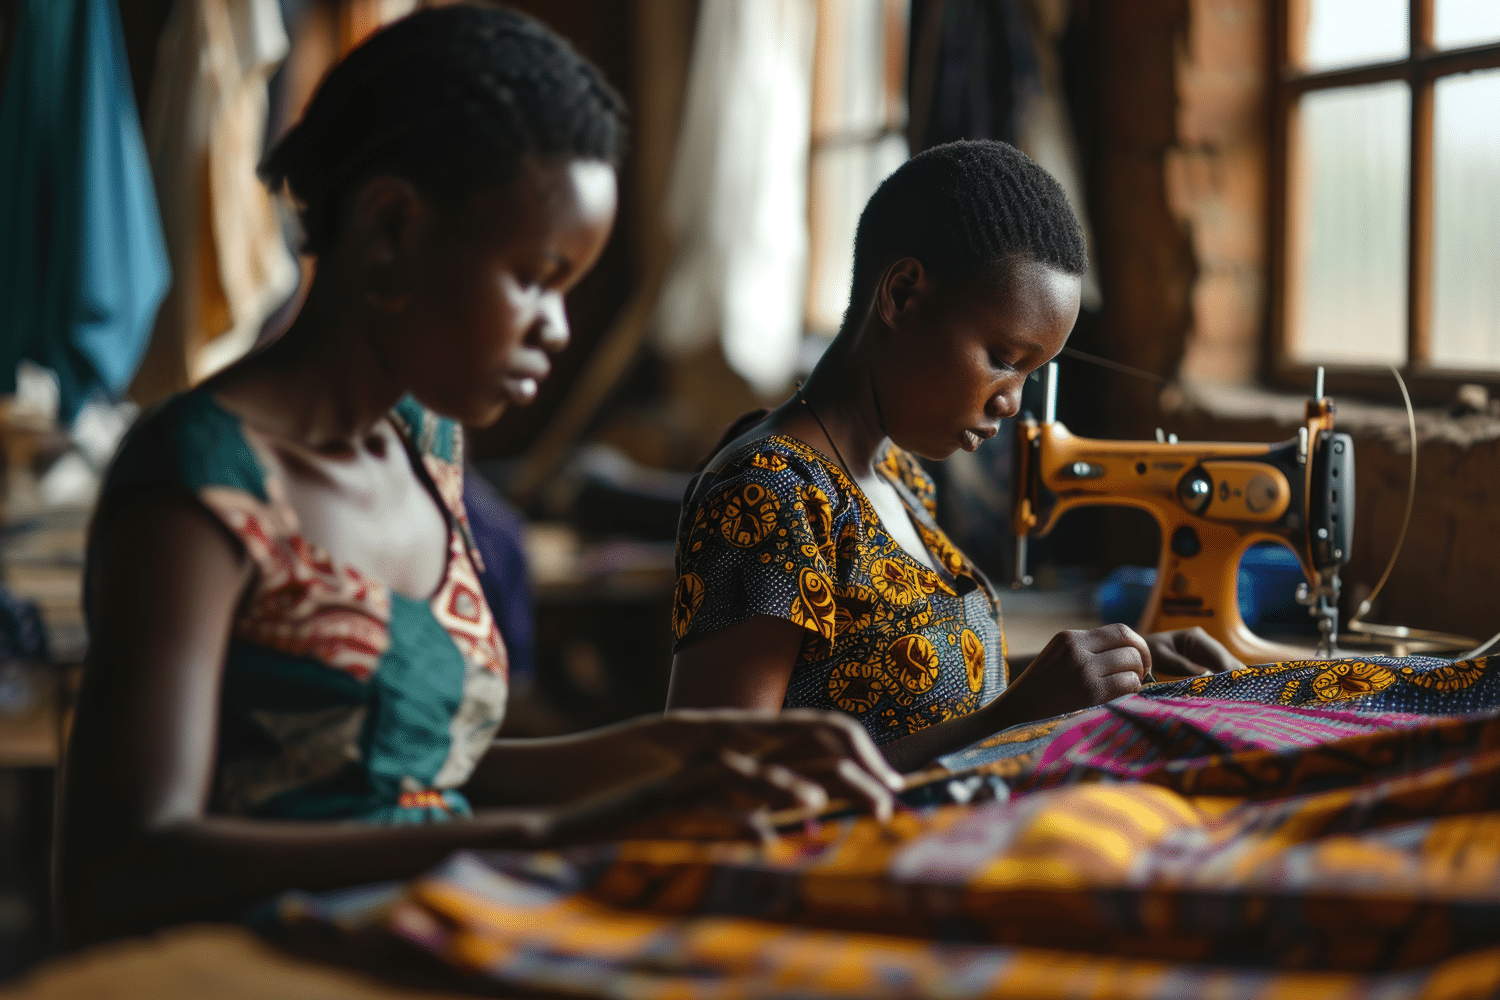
(435, 437)
(188, 441)
(780, 463)
(776, 454)
(439, 441)
(903, 467)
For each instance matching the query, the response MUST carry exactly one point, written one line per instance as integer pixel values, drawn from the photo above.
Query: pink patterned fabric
(1134, 735)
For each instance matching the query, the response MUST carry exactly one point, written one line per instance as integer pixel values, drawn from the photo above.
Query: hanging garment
(499, 532)
(323, 32)
(205, 131)
(990, 69)
(737, 204)
(83, 267)
(858, 140)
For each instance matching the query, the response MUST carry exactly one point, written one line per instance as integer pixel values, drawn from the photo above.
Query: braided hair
(451, 99)
(961, 207)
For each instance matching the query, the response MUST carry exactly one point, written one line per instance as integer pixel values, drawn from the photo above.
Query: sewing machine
(1212, 501)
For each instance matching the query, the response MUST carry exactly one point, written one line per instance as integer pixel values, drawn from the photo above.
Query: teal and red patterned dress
(342, 699)
(774, 527)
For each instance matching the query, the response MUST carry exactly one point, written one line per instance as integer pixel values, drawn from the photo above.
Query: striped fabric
(1131, 736)
(1162, 847)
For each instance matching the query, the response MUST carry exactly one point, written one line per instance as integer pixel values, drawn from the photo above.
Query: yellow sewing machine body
(1212, 500)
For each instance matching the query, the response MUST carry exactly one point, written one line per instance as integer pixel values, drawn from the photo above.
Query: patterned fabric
(1375, 683)
(341, 697)
(1191, 721)
(499, 931)
(775, 528)
(1134, 735)
(1363, 866)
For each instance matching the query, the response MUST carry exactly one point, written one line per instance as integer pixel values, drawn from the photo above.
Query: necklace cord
(980, 577)
(831, 442)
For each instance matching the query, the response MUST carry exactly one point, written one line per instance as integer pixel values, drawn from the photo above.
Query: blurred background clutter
(1267, 185)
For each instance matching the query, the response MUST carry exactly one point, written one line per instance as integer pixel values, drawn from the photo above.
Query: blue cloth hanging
(498, 529)
(83, 263)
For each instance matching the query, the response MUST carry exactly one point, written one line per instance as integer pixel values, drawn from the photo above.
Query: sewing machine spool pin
(1049, 389)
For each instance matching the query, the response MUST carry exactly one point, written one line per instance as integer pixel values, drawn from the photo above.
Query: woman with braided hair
(811, 572)
(294, 680)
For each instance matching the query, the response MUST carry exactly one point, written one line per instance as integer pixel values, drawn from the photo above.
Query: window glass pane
(1465, 22)
(1466, 223)
(1348, 201)
(841, 180)
(1345, 32)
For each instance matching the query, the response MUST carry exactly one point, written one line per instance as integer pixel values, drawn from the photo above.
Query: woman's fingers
(842, 760)
(843, 781)
(1108, 650)
(786, 736)
(801, 758)
(1121, 659)
(1190, 651)
(1201, 648)
(1168, 661)
(783, 783)
(846, 737)
(864, 790)
(1097, 665)
(1119, 684)
(749, 784)
(1110, 637)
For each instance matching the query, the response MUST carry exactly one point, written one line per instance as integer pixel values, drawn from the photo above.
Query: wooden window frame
(1421, 68)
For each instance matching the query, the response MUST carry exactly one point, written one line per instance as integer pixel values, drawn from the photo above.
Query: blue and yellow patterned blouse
(773, 527)
(342, 699)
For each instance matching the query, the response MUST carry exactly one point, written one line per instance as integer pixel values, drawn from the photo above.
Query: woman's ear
(900, 288)
(388, 222)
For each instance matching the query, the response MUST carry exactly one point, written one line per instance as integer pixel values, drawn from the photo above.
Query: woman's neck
(840, 392)
(324, 383)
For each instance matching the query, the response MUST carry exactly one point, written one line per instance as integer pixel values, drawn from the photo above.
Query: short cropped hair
(961, 207)
(451, 99)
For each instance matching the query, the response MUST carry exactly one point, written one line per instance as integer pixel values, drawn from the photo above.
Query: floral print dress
(776, 528)
(342, 699)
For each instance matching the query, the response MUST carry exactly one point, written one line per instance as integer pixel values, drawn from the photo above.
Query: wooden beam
(1431, 63)
(1419, 210)
(662, 40)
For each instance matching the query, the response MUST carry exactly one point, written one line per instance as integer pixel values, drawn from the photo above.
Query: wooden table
(204, 962)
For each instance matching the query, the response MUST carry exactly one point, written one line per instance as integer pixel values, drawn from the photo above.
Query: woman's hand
(721, 773)
(1187, 652)
(1077, 670)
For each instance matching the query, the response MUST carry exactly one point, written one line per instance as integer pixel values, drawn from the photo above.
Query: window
(1386, 190)
(858, 140)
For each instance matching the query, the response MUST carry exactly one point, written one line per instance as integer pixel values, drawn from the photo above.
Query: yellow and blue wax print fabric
(1284, 707)
(1365, 865)
(776, 528)
(342, 698)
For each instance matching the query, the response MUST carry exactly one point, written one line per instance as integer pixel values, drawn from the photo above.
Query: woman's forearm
(215, 867)
(914, 752)
(563, 769)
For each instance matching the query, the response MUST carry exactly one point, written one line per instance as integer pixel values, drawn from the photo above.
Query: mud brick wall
(1182, 222)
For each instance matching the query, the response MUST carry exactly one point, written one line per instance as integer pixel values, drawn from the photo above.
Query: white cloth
(859, 138)
(737, 205)
(1044, 127)
(205, 132)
